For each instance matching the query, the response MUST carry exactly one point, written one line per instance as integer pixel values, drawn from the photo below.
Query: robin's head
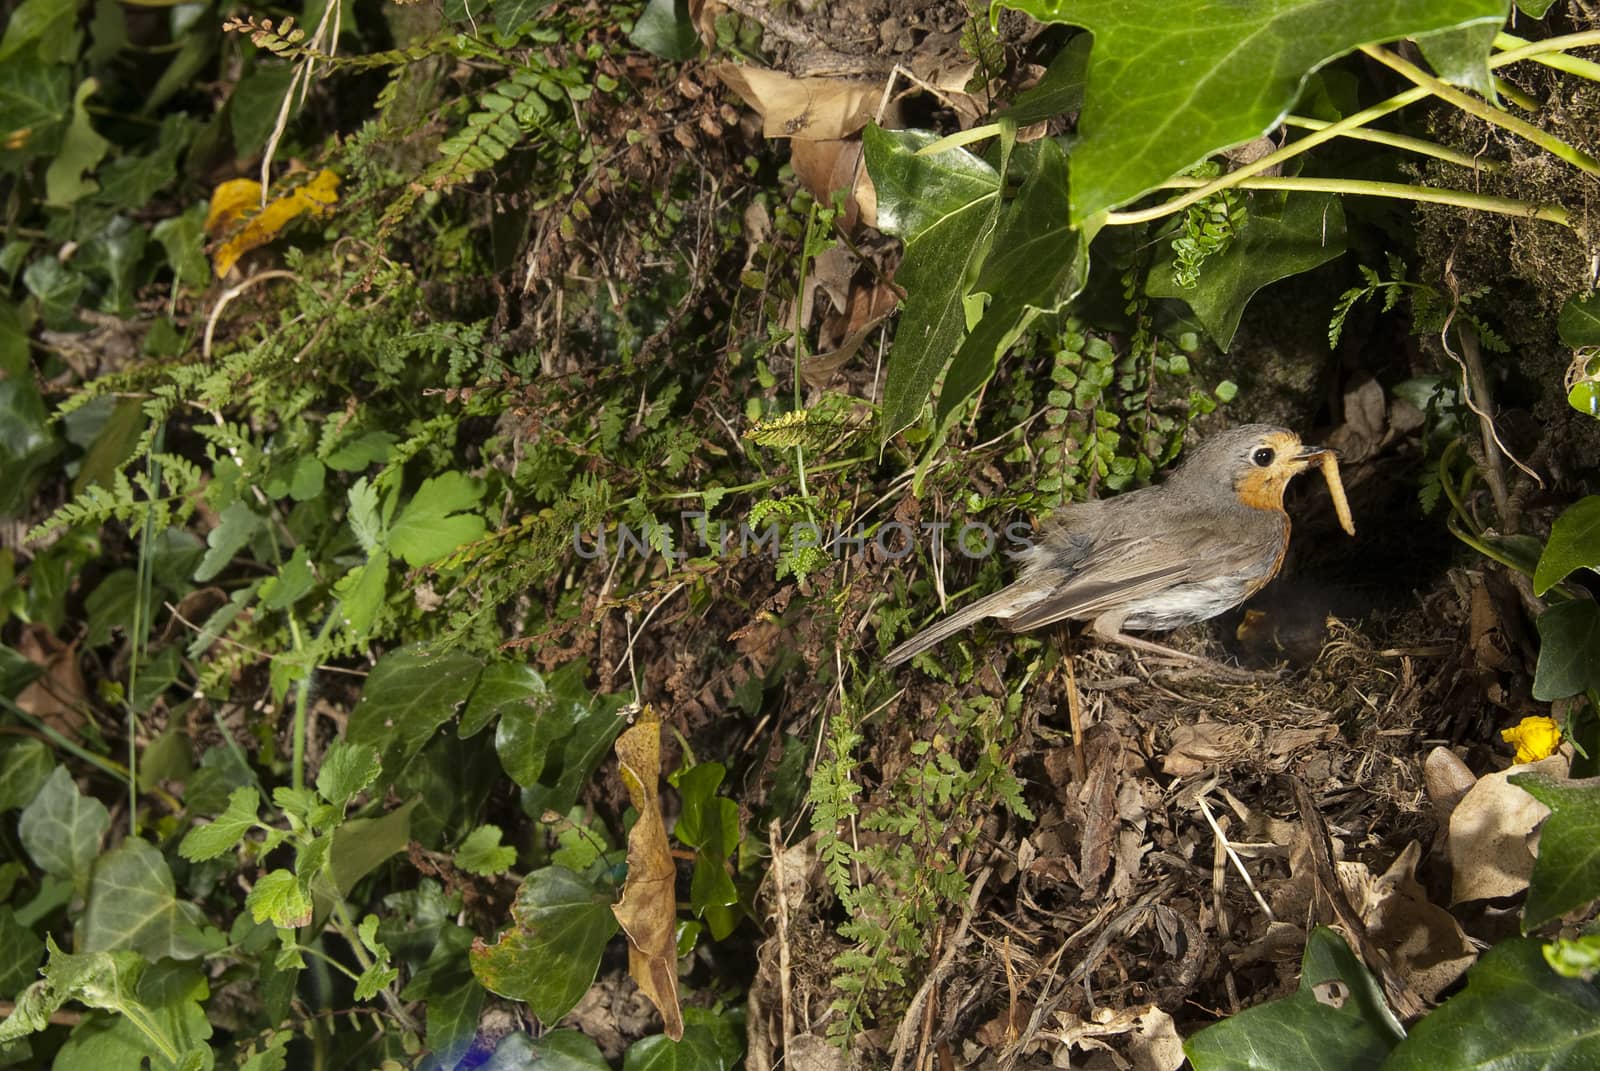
(1256, 461)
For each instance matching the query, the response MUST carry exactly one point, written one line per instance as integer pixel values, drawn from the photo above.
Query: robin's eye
(1263, 457)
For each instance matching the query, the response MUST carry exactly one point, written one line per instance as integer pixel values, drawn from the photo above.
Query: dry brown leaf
(1446, 779)
(1491, 829)
(648, 910)
(1423, 941)
(60, 696)
(808, 1052)
(1155, 1044)
(808, 109)
(1366, 422)
(818, 371)
(1203, 745)
(824, 167)
(831, 272)
(1153, 1039)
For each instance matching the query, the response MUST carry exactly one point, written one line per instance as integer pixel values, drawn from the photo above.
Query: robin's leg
(1108, 627)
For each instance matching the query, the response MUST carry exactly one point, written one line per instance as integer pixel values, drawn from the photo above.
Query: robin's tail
(1002, 604)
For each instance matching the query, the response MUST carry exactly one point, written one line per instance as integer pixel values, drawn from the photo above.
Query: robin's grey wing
(1126, 566)
(1090, 593)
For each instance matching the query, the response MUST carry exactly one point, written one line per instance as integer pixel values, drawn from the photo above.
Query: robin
(1160, 557)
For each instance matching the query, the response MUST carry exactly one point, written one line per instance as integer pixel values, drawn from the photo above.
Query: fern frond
(282, 40)
(804, 428)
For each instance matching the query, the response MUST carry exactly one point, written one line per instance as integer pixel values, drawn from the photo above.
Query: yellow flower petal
(1535, 738)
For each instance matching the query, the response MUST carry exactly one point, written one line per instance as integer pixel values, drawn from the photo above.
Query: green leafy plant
(1134, 138)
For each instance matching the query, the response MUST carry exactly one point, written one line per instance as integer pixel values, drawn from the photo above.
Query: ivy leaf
(1171, 84)
(710, 824)
(1283, 236)
(183, 238)
(253, 108)
(14, 355)
(82, 149)
(548, 957)
(224, 833)
(58, 289)
(408, 695)
(1060, 91)
(559, 1050)
(943, 207)
(569, 762)
(511, 16)
(61, 829)
(49, 22)
(1037, 266)
(1336, 1019)
(111, 448)
(1514, 1013)
(130, 182)
(133, 905)
(483, 854)
(529, 731)
(1566, 874)
(503, 686)
(435, 521)
(1574, 544)
(1569, 650)
(116, 254)
(20, 951)
(698, 1051)
(454, 996)
(34, 99)
(1460, 56)
(666, 30)
(1579, 323)
(25, 763)
(699, 822)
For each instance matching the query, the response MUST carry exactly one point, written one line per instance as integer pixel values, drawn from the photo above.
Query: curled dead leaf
(240, 222)
(1423, 942)
(1491, 832)
(807, 109)
(648, 910)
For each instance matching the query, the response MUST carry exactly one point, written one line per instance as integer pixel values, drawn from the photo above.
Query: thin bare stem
(1485, 111)
(1271, 160)
(1504, 206)
(1515, 95)
(1549, 52)
(1420, 146)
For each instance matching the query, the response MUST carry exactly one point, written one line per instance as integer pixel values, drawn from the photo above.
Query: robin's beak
(1309, 453)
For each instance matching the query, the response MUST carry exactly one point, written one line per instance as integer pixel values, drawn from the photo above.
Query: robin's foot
(1199, 662)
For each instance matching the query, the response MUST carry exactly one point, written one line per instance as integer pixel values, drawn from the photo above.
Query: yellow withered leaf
(240, 223)
(648, 910)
